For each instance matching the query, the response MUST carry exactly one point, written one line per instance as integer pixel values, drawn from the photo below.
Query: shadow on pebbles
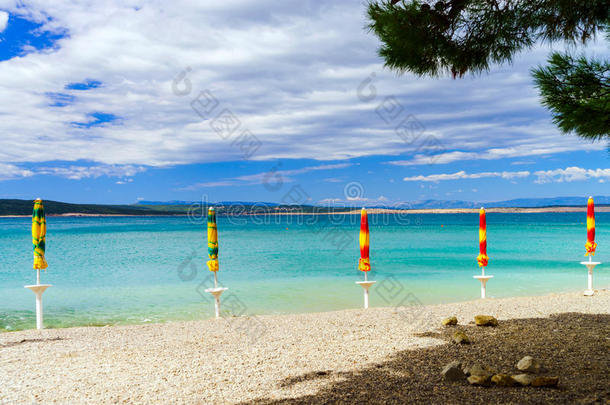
(573, 346)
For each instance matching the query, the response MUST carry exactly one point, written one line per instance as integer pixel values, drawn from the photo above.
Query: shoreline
(311, 358)
(499, 210)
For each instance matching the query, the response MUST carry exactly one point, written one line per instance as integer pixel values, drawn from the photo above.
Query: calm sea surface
(134, 270)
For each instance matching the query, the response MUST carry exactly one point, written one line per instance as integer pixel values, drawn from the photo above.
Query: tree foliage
(437, 37)
(577, 91)
(458, 36)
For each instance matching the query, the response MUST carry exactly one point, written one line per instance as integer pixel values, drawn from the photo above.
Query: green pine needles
(456, 37)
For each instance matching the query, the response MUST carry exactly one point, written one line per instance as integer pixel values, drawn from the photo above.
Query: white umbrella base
(366, 285)
(216, 292)
(590, 266)
(38, 289)
(483, 280)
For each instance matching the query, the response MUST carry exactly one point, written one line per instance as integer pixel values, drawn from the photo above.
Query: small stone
(466, 371)
(450, 321)
(542, 381)
(503, 380)
(477, 369)
(453, 372)
(461, 338)
(482, 380)
(485, 320)
(529, 365)
(523, 379)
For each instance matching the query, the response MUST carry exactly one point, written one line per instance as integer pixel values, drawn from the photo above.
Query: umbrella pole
(37, 276)
(39, 314)
(483, 284)
(366, 293)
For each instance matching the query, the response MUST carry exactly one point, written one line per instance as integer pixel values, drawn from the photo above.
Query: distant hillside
(24, 207)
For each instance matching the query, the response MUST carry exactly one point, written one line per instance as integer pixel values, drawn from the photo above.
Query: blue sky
(120, 101)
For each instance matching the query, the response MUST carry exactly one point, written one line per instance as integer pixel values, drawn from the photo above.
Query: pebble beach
(379, 355)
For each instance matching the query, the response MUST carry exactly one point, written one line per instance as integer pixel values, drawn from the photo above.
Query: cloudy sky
(115, 101)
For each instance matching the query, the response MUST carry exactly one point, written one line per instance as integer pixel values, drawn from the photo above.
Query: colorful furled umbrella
(590, 246)
(365, 262)
(482, 258)
(213, 262)
(39, 232)
(212, 241)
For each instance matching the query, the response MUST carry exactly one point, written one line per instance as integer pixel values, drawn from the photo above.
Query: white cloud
(528, 147)
(570, 174)
(3, 20)
(10, 172)
(463, 175)
(290, 71)
(83, 172)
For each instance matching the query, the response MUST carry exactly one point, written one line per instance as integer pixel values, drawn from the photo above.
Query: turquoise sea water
(134, 270)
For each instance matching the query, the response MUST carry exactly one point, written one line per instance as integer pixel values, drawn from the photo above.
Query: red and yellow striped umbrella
(365, 262)
(482, 258)
(590, 246)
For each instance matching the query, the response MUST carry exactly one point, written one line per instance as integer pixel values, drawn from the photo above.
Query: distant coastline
(500, 210)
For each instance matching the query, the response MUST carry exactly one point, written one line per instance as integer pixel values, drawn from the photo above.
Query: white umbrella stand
(590, 266)
(216, 293)
(38, 289)
(366, 285)
(483, 279)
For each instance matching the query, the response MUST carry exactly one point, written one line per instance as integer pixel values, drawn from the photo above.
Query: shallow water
(120, 270)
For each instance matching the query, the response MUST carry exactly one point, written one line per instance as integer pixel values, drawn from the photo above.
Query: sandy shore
(381, 355)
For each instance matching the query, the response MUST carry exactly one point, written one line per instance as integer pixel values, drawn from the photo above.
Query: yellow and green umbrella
(39, 232)
(212, 241)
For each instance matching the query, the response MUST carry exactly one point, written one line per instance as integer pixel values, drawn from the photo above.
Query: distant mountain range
(24, 207)
(426, 204)
(516, 203)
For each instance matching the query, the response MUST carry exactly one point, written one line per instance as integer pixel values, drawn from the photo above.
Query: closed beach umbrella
(39, 232)
(482, 258)
(365, 262)
(213, 262)
(212, 241)
(590, 246)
